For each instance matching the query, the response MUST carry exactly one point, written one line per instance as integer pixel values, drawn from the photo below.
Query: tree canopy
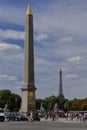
(13, 101)
(63, 104)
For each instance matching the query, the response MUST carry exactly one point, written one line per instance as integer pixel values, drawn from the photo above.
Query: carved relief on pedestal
(31, 97)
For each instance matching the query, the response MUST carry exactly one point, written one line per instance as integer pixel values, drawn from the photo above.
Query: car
(13, 117)
(2, 115)
(23, 117)
(16, 117)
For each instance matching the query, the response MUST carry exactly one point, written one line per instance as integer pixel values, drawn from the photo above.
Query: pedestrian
(31, 116)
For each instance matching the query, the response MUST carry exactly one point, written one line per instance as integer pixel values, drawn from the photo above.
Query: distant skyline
(60, 39)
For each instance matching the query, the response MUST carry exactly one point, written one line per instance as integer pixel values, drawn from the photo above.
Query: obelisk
(28, 89)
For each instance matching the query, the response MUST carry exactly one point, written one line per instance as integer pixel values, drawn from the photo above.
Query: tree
(84, 104)
(38, 104)
(14, 103)
(76, 104)
(61, 102)
(45, 103)
(12, 100)
(4, 97)
(67, 105)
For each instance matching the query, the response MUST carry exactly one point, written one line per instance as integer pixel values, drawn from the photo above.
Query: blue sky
(60, 40)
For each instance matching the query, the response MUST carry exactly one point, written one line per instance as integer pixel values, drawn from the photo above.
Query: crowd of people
(56, 115)
(76, 116)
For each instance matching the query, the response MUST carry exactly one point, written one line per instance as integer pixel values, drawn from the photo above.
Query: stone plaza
(43, 125)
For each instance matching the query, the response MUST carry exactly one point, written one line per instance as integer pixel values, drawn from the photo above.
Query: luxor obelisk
(28, 89)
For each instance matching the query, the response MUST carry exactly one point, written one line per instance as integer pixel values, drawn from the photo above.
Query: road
(42, 125)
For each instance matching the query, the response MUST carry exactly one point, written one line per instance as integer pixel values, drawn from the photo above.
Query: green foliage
(12, 100)
(45, 104)
(49, 102)
(38, 104)
(63, 104)
(67, 105)
(4, 97)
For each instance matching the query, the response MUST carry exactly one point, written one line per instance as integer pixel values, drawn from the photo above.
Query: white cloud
(7, 77)
(74, 59)
(66, 39)
(11, 34)
(11, 66)
(11, 52)
(7, 46)
(71, 76)
(40, 37)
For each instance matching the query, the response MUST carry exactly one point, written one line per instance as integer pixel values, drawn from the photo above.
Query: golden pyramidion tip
(29, 11)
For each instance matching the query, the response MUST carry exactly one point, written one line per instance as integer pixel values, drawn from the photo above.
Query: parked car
(23, 117)
(13, 117)
(2, 115)
(16, 117)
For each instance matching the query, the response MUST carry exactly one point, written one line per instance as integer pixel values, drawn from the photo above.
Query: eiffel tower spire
(60, 92)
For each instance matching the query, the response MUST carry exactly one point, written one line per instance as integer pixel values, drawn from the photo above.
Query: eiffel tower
(60, 92)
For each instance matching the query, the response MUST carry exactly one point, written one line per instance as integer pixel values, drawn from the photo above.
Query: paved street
(42, 125)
